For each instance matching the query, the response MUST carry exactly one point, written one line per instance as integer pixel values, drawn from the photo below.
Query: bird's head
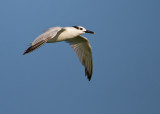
(82, 30)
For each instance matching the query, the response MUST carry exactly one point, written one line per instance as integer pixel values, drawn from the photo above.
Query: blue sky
(50, 80)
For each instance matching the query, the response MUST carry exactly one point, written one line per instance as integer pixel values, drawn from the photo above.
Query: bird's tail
(33, 47)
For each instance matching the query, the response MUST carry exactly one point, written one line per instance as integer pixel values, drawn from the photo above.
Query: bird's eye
(81, 28)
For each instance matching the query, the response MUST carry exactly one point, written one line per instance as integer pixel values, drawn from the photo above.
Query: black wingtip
(89, 79)
(33, 47)
(88, 74)
(24, 53)
(28, 50)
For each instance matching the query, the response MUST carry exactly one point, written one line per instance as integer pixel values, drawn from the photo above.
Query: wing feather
(43, 38)
(83, 50)
(31, 48)
(49, 33)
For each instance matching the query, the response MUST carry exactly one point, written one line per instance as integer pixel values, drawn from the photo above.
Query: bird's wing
(47, 34)
(43, 38)
(83, 50)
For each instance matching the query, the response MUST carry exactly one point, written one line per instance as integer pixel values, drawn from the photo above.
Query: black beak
(88, 31)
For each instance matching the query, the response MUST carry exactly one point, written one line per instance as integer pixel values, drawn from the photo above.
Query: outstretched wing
(43, 38)
(83, 50)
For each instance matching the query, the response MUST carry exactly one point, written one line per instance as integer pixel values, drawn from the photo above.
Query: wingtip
(24, 53)
(33, 47)
(89, 79)
(88, 75)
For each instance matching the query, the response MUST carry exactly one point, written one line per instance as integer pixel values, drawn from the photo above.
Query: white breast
(65, 35)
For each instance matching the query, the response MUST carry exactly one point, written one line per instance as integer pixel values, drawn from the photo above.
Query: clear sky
(51, 80)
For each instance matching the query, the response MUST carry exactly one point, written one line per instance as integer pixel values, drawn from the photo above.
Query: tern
(71, 35)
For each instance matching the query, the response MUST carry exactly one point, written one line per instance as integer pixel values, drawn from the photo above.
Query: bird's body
(63, 35)
(71, 35)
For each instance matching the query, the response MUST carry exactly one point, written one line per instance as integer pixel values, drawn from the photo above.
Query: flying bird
(71, 35)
